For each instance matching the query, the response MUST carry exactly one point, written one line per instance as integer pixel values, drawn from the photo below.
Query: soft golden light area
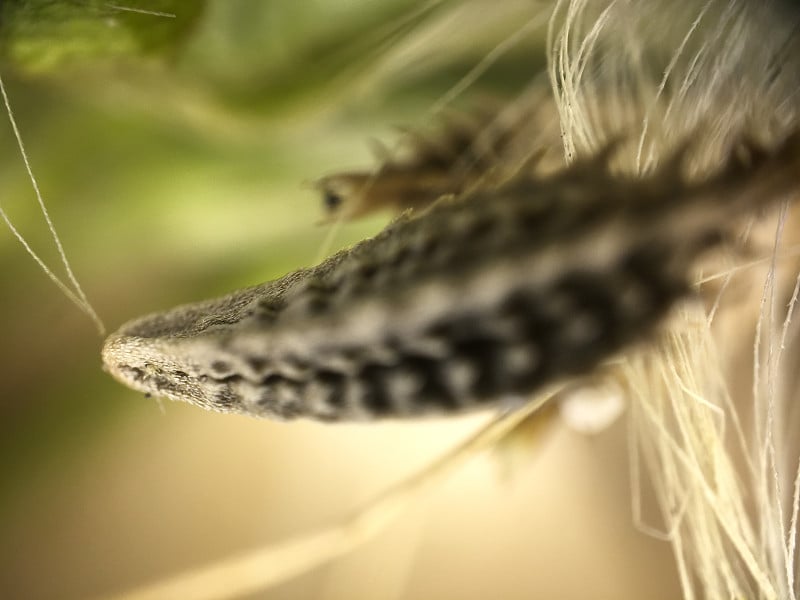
(172, 491)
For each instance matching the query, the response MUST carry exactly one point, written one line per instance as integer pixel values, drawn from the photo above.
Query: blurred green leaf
(44, 35)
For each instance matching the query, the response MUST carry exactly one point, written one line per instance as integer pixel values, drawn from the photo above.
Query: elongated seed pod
(476, 299)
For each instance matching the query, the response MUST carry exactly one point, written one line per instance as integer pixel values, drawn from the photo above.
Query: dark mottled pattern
(522, 343)
(576, 267)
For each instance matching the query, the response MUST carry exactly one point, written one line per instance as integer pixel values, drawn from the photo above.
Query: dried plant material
(711, 443)
(72, 288)
(481, 149)
(475, 300)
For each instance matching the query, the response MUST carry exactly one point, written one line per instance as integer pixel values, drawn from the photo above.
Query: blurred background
(172, 147)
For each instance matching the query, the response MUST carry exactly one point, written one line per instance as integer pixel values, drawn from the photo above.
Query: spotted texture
(476, 299)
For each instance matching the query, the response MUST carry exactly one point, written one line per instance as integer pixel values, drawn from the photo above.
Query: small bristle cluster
(480, 149)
